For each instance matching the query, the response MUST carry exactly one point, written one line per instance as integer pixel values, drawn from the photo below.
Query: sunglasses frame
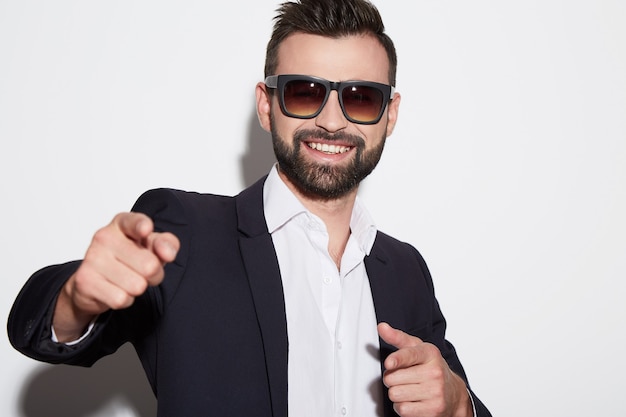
(278, 82)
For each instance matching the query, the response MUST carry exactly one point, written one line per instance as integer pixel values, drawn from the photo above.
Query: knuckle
(83, 279)
(102, 236)
(138, 287)
(439, 406)
(437, 374)
(431, 349)
(121, 300)
(80, 291)
(156, 279)
(393, 394)
(401, 408)
(150, 267)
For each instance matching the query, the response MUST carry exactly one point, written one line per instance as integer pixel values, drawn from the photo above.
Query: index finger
(165, 245)
(408, 357)
(136, 226)
(411, 350)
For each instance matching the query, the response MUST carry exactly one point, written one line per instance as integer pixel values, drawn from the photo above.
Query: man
(283, 300)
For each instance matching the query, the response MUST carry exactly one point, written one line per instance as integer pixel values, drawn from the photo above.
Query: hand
(123, 259)
(419, 380)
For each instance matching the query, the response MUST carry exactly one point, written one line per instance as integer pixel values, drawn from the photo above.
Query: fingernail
(139, 226)
(171, 250)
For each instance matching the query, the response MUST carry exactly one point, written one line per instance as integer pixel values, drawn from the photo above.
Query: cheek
(285, 126)
(373, 134)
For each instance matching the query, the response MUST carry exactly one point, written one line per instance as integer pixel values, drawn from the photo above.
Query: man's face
(326, 157)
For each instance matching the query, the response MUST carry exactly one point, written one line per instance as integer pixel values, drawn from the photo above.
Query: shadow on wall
(117, 382)
(259, 156)
(114, 382)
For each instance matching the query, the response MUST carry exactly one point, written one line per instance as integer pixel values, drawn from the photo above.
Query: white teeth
(330, 149)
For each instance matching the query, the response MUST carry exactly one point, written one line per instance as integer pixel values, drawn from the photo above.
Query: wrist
(69, 322)
(465, 407)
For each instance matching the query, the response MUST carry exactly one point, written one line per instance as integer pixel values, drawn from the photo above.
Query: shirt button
(339, 346)
(327, 280)
(344, 410)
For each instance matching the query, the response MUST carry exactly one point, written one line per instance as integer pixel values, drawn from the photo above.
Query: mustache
(306, 135)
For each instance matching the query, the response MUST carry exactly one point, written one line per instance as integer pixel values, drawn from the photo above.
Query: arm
(123, 259)
(70, 295)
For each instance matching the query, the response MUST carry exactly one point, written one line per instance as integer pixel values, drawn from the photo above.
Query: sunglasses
(304, 97)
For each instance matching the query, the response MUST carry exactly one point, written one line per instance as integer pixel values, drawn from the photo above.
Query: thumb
(405, 356)
(397, 338)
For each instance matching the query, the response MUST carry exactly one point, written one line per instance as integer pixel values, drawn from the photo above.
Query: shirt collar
(281, 206)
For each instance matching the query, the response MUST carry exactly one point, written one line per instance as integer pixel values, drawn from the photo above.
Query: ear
(392, 113)
(263, 105)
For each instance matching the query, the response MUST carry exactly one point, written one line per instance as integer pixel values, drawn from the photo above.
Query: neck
(335, 213)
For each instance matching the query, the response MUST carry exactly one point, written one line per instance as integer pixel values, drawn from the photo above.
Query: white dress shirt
(334, 364)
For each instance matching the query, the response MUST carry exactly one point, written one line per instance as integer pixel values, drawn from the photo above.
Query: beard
(322, 180)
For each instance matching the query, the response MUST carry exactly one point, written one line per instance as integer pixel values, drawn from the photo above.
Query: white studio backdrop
(507, 170)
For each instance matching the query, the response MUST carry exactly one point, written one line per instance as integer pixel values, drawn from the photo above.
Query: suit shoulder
(394, 250)
(185, 197)
(174, 203)
(390, 243)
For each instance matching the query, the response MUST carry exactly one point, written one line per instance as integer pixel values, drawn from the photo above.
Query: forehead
(360, 57)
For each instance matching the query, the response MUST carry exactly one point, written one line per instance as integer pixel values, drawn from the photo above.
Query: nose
(331, 117)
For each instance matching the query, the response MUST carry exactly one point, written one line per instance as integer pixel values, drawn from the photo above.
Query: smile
(329, 149)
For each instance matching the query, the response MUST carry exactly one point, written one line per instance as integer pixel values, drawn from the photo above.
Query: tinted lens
(303, 98)
(362, 103)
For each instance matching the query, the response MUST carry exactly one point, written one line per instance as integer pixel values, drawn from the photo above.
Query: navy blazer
(212, 338)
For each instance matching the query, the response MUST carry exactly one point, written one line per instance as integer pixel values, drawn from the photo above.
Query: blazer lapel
(384, 292)
(383, 284)
(261, 264)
